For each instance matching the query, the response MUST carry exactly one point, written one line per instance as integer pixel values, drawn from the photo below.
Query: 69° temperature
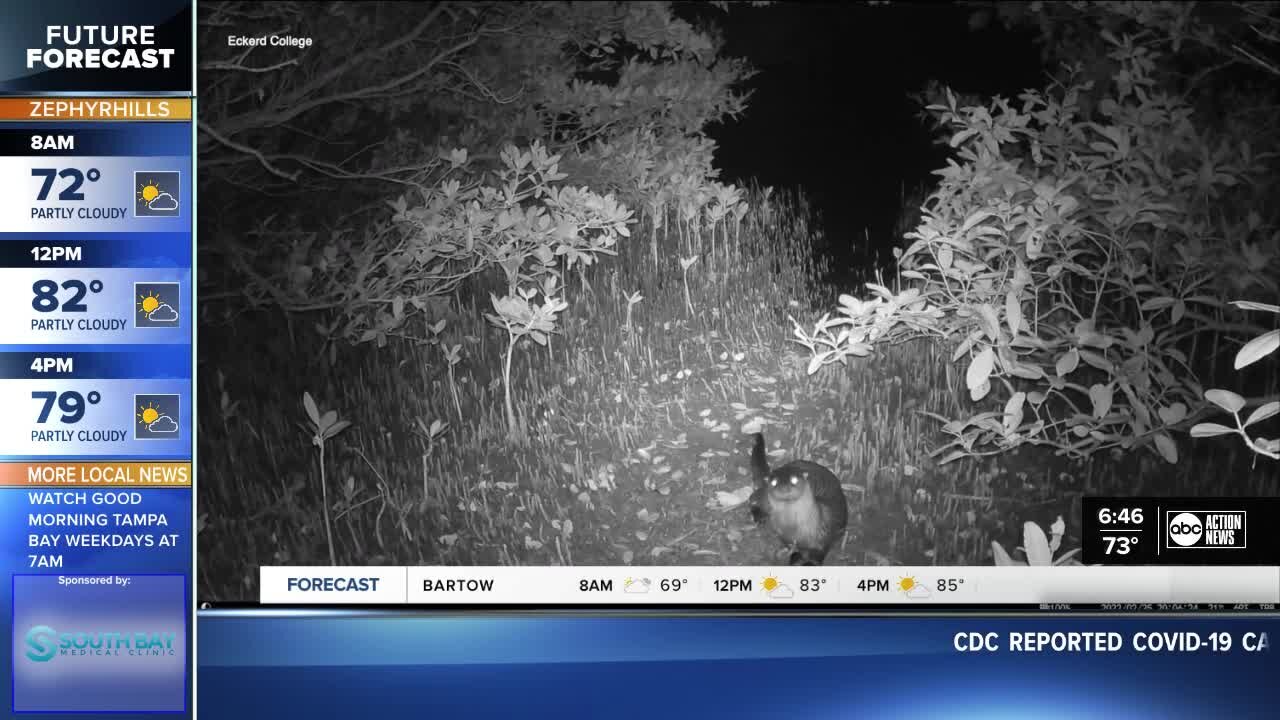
(71, 403)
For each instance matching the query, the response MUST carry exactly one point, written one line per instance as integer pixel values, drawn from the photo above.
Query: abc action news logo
(1216, 529)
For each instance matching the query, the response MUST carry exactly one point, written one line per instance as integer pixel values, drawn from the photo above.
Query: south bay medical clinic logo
(43, 644)
(1222, 529)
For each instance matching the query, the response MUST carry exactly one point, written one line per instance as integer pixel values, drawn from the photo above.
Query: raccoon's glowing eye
(773, 482)
(794, 479)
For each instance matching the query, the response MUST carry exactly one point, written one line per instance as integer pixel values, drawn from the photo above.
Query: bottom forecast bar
(767, 585)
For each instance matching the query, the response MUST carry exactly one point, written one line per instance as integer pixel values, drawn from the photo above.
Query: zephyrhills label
(1205, 529)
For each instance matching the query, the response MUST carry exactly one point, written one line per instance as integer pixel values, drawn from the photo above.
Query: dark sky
(830, 111)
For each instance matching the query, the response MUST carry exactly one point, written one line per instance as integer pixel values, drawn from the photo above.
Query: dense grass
(636, 430)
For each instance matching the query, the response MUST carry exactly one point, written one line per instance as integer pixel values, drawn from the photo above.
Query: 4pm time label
(98, 306)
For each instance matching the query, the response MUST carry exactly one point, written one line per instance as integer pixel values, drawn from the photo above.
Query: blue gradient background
(124, 139)
(160, 249)
(333, 665)
(175, 503)
(149, 603)
(170, 362)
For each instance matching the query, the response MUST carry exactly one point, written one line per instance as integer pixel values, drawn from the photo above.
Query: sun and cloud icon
(157, 194)
(776, 589)
(157, 416)
(911, 587)
(636, 586)
(157, 305)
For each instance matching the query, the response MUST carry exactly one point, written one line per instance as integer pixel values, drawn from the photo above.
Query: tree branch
(206, 128)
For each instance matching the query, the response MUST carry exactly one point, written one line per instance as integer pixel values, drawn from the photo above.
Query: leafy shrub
(1075, 262)
(517, 137)
(1037, 548)
(1252, 351)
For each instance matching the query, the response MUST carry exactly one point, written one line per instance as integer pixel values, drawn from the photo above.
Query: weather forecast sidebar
(96, 357)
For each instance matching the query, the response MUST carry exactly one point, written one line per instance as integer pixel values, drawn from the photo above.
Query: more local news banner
(96, 357)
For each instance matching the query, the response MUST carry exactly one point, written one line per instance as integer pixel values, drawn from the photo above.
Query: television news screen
(635, 359)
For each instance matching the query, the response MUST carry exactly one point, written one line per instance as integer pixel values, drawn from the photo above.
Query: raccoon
(802, 502)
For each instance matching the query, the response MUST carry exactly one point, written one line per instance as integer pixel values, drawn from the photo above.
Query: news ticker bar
(1181, 531)
(767, 585)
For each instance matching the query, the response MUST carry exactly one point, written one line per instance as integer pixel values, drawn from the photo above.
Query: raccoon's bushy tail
(759, 460)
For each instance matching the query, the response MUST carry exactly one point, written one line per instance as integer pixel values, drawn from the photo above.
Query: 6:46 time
(1123, 516)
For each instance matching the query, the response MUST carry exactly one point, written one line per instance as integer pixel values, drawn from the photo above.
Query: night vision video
(740, 284)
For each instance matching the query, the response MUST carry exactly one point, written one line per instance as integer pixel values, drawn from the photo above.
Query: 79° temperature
(71, 403)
